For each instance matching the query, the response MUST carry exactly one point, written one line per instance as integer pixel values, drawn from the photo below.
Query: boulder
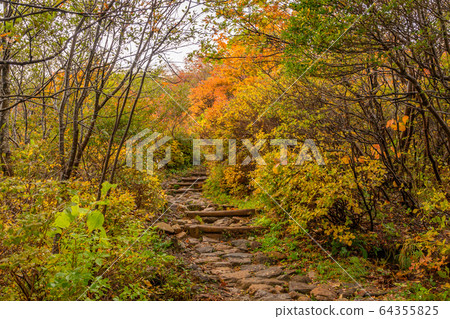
(181, 235)
(276, 297)
(260, 290)
(226, 221)
(269, 272)
(202, 248)
(210, 219)
(312, 274)
(165, 227)
(207, 239)
(260, 258)
(298, 296)
(221, 270)
(254, 267)
(242, 244)
(221, 264)
(247, 282)
(238, 255)
(300, 278)
(177, 228)
(235, 276)
(261, 293)
(324, 293)
(239, 261)
(207, 260)
(300, 287)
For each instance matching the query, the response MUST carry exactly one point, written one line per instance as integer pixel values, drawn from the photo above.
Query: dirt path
(218, 245)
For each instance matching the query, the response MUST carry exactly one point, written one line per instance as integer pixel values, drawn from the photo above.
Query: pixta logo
(151, 143)
(135, 148)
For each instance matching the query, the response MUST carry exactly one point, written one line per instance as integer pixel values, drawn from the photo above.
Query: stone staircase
(218, 243)
(213, 220)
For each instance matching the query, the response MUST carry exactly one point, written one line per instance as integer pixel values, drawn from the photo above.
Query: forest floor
(225, 258)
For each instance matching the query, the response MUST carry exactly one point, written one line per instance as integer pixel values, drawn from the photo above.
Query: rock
(165, 227)
(230, 250)
(312, 274)
(226, 221)
(276, 255)
(304, 298)
(257, 289)
(253, 268)
(221, 246)
(219, 253)
(193, 241)
(181, 221)
(284, 277)
(239, 261)
(210, 219)
(300, 278)
(201, 276)
(290, 272)
(214, 254)
(242, 244)
(201, 249)
(294, 295)
(261, 293)
(177, 228)
(276, 297)
(348, 292)
(207, 239)
(221, 270)
(221, 264)
(280, 289)
(238, 255)
(247, 282)
(194, 232)
(235, 276)
(300, 297)
(269, 273)
(207, 260)
(260, 258)
(300, 287)
(323, 293)
(181, 235)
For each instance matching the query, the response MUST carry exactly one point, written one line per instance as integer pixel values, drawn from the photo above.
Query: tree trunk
(5, 151)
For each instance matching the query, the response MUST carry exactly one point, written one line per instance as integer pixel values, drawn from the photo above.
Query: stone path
(217, 242)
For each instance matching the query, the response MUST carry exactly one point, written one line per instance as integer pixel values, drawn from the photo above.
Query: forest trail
(218, 244)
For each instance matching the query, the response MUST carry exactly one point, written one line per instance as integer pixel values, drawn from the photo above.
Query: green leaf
(106, 186)
(83, 211)
(95, 220)
(75, 199)
(75, 210)
(63, 219)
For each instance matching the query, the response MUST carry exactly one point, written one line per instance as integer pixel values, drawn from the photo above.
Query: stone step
(184, 190)
(197, 183)
(196, 230)
(221, 213)
(194, 178)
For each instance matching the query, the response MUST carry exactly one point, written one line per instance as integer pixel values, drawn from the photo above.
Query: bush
(37, 214)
